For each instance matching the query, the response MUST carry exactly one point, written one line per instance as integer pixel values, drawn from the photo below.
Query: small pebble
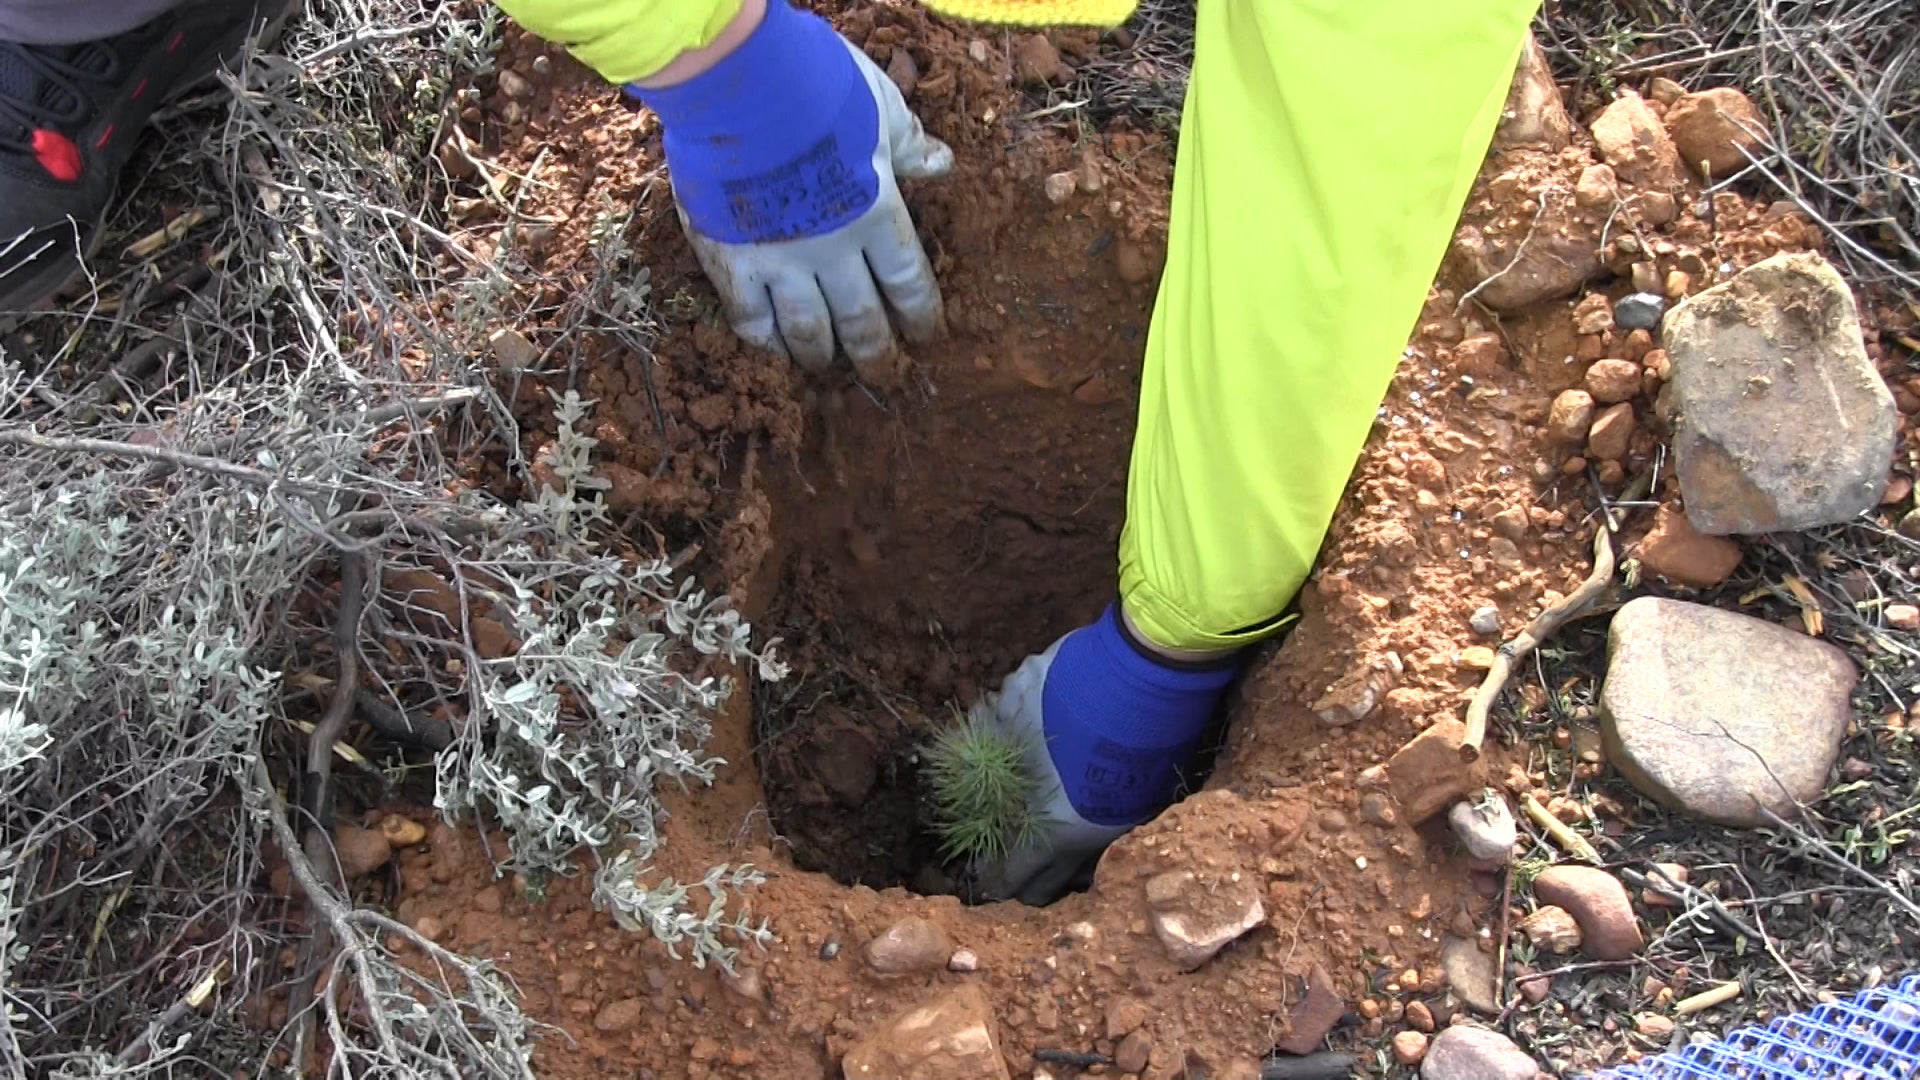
(1639, 311)
(1377, 808)
(1420, 1016)
(1409, 1047)
(515, 86)
(1476, 657)
(1486, 621)
(1060, 187)
(830, 950)
(1903, 616)
(1654, 1026)
(963, 961)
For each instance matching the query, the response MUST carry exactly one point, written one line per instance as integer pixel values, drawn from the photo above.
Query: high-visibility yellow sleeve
(1326, 149)
(624, 40)
(1038, 12)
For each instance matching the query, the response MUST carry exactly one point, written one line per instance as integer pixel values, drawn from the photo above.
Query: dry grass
(1838, 84)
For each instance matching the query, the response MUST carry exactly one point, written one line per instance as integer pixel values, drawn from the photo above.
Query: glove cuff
(1122, 723)
(787, 69)
(777, 140)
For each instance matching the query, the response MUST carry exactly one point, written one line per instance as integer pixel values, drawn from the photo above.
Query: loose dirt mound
(911, 545)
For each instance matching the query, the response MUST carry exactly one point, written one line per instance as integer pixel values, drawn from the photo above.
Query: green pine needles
(982, 788)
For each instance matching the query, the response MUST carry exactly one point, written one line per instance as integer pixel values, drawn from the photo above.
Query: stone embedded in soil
(1639, 311)
(903, 71)
(1680, 553)
(360, 851)
(1133, 1054)
(1654, 1026)
(745, 982)
(1593, 314)
(1409, 1047)
(1782, 421)
(1466, 1052)
(1426, 775)
(515, 85)
(1611, 432)
(1570, 417)
(1598, 903)
(1534, 115)
(1718, 714)
(963, 961)
(1903, 616)
(1358, 690)
(1595, 188)
(1485, 621)
(1124, 1017)
(1060, 186)
(1479, 355)
(1665, 90)
(1636, 144)
(1611, 381)
(402, 831)
(911, 945)
(1035, 60)
(952, 1036)
(512, 351)
(1485, 826)
(1196, 916)
(1676, 875)
(618, 1016)
(1471, 974)
(1712, 128)
(1528, 265)
(1533, 985)
(1316, 1014)
(1377, 809)
(1552, 930)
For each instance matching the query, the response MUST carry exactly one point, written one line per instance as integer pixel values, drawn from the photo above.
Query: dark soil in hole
(930, 539)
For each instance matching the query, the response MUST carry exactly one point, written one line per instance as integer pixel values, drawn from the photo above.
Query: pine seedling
(982, 788)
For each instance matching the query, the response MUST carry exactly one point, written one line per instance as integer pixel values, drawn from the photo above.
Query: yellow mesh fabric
(624, 40)
(1038, 12)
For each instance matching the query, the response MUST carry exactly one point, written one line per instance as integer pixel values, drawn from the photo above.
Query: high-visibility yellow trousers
(1326, 149)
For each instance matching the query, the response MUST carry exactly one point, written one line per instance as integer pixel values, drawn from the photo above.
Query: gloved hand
(1109, 730)
(783, 158)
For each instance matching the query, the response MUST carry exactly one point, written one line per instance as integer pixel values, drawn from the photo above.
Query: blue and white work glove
(1110, 729)
(783, 158)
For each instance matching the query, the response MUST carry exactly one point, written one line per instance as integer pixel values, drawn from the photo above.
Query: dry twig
(1540, 629)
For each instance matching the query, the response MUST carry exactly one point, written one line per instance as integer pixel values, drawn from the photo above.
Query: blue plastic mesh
(1873, 1036)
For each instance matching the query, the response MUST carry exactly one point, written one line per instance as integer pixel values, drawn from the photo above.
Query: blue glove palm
(783, 159)
(1110, 730)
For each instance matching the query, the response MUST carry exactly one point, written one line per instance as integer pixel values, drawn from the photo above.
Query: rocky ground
(1639, 503)
(1655, 812)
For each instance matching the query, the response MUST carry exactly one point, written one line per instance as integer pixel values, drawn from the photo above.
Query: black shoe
(70, 116)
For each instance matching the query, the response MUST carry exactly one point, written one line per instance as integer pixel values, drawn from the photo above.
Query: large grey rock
(1465, 1052)
(1782, 421)
(1718, 714)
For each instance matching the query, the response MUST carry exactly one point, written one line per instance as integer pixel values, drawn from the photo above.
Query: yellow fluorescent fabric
(1326, 149)
(1038, 12)
(624, 40)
